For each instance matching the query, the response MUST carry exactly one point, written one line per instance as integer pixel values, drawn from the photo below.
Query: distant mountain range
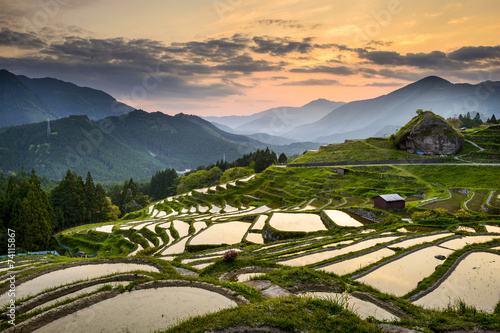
(365, 118)
(24, 100)
(116, 148)
(275, 121)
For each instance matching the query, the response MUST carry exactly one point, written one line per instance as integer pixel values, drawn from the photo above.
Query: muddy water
(361, 308)
(72, 274)
(320, 256)
(181, 227)
(342, 219)
(459, 243)
(221, 233)
(105, 228)
(401, 276)
(141, 311)
(255, 238)
(296, 222)
(351, 265)
(420, 240)
(475, 280)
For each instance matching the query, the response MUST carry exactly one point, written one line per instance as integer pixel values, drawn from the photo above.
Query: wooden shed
(389, 201)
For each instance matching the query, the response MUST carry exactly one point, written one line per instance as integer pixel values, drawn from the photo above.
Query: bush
(230, 256)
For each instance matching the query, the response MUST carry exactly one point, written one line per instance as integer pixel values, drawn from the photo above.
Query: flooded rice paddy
(181, 227)
(176, 248)
(420, 240)
(459, 243)
(221, 233)
(81, 292)
(351, 265)
(296, 222)
(105, 228)
(342, 219)
(133, 311)
(255, 238)
(475, 281)
(261, 221)
(362, 308)
(402, 275)
(330, 254)
(72, 274)
(492, 228)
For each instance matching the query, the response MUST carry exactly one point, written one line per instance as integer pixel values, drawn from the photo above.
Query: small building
(389, 201)
(341, 171)
(81, 254)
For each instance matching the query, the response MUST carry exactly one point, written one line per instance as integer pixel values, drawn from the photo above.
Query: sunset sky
(222, 57)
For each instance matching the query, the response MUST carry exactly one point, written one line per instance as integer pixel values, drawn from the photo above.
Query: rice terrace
(294, 248)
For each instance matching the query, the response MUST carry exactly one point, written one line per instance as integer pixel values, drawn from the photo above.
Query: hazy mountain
(279, 120)
(361, 119)
(24, 100)
(19, 104)
(120, 147)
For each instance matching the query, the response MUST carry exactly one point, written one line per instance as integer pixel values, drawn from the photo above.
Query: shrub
(230, 256)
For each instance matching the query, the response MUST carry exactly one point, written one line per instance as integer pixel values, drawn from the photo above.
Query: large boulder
(429, 134)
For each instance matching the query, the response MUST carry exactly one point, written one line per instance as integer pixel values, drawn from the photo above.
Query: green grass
(290, 314)
(357, 150)
(452, 205)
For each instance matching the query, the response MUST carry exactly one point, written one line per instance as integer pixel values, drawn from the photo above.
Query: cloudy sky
(220, 57)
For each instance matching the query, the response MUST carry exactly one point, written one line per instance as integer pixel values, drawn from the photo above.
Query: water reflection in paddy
(296, 222)
(181, 227)
(72, 274)
(320, 256)
(221, 233)
(420, 240)
(351, 265)
(81, 292)
(261, 221)
(459, 243)
(105, 228)
(255, 238)
(492, 228)
(342, 219)
(362, 308)
(141, 311)
(401, 276)
(475, 280)
(176, 248)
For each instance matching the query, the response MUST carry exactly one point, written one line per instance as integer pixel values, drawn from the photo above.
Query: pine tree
(33, 217)
(90, 198)
(282, 159)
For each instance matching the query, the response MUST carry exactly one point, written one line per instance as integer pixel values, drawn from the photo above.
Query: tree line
(468, 121)
(36, 214)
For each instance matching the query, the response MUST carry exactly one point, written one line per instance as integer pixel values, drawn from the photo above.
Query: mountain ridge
(136, 144)
(364, 118)
(25, 100)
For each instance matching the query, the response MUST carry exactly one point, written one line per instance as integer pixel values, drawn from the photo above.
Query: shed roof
(391, 197)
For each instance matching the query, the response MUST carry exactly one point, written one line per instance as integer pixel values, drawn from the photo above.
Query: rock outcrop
(429, 134)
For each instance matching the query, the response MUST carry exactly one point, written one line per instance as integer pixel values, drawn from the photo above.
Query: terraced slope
(381, 266)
